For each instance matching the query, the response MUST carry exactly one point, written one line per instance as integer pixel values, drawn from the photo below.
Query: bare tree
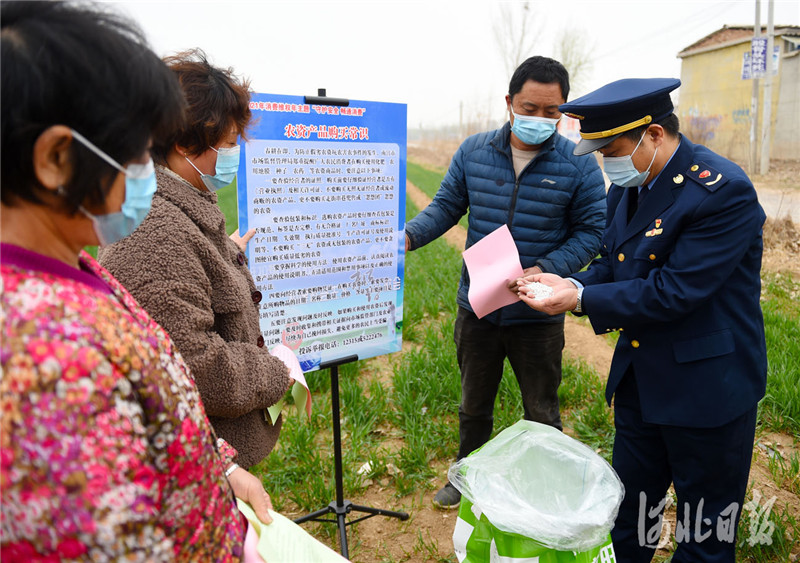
(516, 32)
(483, 114)
(574, 51)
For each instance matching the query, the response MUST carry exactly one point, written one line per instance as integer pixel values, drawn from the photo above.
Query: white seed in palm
(538, 290)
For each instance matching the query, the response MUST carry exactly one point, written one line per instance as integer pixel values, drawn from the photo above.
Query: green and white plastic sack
(535, 483)
(476, 540)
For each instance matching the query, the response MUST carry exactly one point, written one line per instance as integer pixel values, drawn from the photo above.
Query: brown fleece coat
(182, 267)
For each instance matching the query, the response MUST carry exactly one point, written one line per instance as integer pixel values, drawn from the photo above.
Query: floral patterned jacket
(105, 451)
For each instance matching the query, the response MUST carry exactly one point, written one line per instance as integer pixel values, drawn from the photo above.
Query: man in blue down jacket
(523, 175)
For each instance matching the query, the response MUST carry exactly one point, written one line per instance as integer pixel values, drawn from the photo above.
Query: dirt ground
(427, 535)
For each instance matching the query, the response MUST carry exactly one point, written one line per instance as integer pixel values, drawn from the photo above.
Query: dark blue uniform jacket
(682, 282)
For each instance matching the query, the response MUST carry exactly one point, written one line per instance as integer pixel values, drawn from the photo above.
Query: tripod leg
(343, 535)
(313, 515)
(380, 511)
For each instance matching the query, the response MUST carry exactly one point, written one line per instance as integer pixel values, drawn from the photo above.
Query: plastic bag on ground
(535, 481)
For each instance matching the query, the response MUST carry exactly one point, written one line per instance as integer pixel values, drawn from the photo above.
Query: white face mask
(621, 171)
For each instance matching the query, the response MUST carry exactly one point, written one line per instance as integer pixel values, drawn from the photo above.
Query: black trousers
(534, 352)
(708, 466)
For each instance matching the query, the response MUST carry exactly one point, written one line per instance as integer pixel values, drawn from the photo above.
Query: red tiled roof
(728, 34)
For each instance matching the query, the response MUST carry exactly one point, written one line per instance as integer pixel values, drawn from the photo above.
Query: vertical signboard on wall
(754, 61)
(324, 187)
(758, 57)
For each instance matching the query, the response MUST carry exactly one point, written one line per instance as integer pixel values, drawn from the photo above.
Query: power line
(669, 29)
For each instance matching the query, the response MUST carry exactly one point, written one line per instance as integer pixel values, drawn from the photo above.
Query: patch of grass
(766, 535)
(428, 181)
(508, 407)
(593, 424)
(424, 178)
(299, 470)
(227, 201)
(361, 411)
(780, 408)
(583, 407)
(785, 471)
(426, 393)
(579, 383)
(428, 548)
(431, 283)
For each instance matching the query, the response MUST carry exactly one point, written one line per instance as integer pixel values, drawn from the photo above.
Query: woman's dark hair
(75, 65)
(540, 69)
(216, 101)
(670, 123)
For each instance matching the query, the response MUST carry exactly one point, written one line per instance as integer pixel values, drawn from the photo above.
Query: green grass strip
(428, 181)
(780, 408)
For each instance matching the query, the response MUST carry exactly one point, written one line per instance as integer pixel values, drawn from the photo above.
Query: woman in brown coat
(181, 266)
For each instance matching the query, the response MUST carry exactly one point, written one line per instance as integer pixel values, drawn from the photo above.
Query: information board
(324, 187)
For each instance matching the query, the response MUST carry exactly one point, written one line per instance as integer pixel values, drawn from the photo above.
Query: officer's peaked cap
(617, 107)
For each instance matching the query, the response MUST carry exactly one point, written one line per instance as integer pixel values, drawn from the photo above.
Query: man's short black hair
(671, 125)
(540, 69)
(85, 68)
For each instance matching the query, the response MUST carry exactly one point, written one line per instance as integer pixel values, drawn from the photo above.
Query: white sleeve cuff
(576, 283)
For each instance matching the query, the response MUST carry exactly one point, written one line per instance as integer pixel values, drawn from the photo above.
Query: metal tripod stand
(340, 506)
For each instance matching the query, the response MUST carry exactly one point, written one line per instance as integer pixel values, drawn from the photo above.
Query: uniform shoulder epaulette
(706, 176)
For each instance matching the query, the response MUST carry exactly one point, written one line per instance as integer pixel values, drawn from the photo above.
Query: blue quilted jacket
(555, 210)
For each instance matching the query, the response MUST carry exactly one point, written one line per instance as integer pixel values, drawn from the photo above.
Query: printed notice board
(324, 187)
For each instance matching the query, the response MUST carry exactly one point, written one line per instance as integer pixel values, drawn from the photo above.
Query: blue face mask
(140, 185)
(533, 130)
(226, 168)
(621, 171)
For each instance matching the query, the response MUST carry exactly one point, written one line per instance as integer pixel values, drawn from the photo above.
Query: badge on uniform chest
(656, 230)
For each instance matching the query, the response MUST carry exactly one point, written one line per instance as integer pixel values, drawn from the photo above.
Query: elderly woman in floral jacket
(107, 454)
(185, 271)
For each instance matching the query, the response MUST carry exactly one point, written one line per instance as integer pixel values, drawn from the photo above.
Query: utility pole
(766, 125)
(754, 156)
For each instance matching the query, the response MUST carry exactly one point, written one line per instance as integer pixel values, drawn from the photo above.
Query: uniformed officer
(679, 277)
